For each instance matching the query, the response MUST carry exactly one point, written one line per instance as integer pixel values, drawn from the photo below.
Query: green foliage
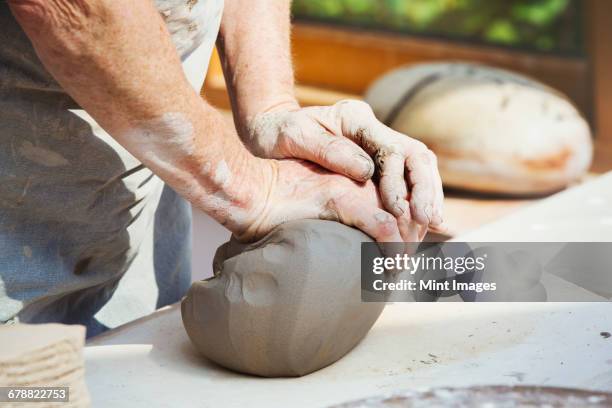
(540, 24)
(540, 13)
(502, 31)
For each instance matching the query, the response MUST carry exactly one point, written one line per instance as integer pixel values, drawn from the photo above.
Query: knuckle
(363, 108)
(385, 221)
(396, 148)
(428, 157)
(330, 211)
(380, 158)
(357, 111)
(418, 146)
(355, 105)
(421, 153)
(386, 153)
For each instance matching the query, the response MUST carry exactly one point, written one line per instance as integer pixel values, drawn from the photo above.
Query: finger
(358, 123)
(337, 154)
(421, 166)
(410, 230)
(392, 185)
(377, 223)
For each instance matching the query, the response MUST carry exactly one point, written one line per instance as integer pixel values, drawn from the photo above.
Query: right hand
(346, 138)
(301, 189)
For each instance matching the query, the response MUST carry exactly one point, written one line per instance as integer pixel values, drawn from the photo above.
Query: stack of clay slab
(44, 355)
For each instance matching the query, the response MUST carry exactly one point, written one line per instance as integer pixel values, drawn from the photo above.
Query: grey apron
(88, 234)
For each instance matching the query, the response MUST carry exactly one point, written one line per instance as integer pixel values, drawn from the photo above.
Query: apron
(88, 235)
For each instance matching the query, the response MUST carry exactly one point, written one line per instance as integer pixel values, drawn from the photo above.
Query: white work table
(151, 363)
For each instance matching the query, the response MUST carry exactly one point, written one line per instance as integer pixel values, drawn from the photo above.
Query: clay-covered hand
(299, 189)
(344, 138)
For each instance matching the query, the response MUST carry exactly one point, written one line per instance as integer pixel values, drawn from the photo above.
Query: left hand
(344, 138)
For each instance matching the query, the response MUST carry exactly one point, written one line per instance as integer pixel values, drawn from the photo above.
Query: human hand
(344, 138)
(299, 189)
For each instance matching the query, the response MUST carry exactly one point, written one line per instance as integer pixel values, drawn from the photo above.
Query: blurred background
(546, 25)
(342, 47)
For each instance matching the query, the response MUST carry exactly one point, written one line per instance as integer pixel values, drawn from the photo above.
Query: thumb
(337, 154)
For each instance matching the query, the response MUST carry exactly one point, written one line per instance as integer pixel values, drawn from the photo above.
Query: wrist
(287, 103)
(257, 128)
(257, 107)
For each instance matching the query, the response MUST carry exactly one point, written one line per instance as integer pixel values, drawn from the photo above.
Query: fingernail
(366, 164)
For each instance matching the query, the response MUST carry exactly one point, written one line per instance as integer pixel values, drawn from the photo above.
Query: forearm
(119, 64)
(254, 45)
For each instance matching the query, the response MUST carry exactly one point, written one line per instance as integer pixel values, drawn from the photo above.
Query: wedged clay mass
(286, 305)
(44, 355)
(492, 130)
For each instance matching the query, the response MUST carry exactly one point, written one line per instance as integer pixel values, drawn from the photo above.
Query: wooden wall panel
(349, 60)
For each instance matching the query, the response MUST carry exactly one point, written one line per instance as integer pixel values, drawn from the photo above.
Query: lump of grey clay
(286, 305)
(493, 131)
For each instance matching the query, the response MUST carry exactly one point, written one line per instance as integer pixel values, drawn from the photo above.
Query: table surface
(151, 363)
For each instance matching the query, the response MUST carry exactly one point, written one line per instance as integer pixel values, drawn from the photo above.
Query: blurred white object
(492, 130)
(208, 235)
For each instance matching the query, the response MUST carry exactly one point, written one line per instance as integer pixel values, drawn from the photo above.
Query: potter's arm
(254, 48)
(118, 62)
